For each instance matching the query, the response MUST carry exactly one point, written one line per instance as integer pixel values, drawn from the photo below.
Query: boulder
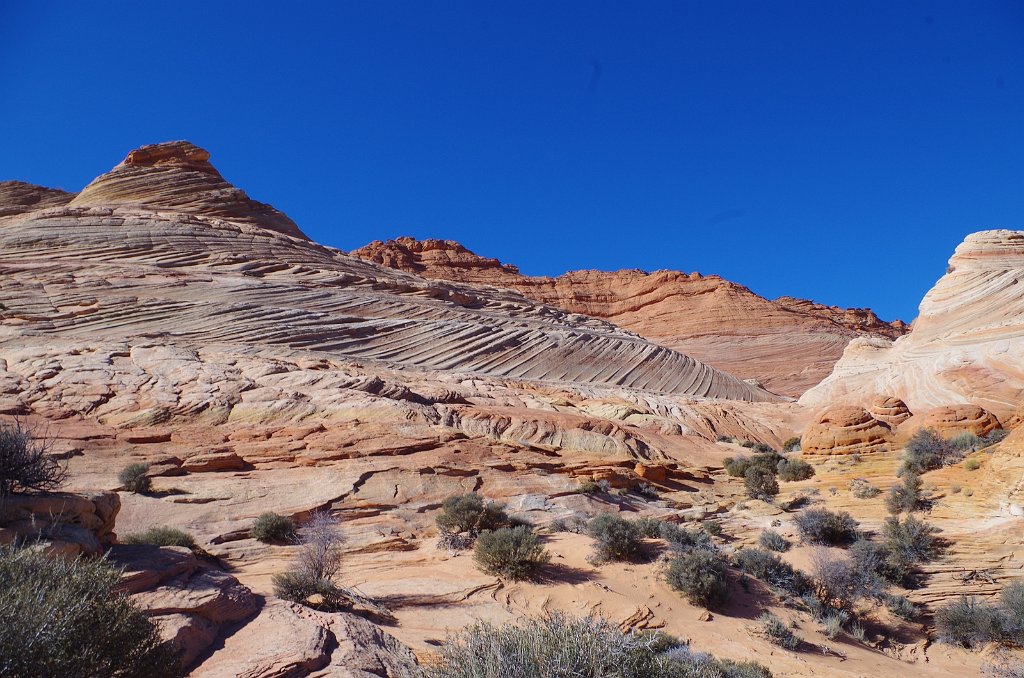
(845, 429)
(72, 523)
(889, 410)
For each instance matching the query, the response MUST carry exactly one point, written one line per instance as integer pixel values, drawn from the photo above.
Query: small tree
(26, 462)
(760, 483)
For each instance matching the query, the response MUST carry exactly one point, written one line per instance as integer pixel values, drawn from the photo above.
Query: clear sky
(831, 150)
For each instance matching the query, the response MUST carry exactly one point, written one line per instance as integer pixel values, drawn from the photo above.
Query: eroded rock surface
(845, 430)
(788, 344)
(966, 346)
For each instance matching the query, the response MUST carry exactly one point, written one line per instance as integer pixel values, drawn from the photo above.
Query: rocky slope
(788, 344)
(967, 344)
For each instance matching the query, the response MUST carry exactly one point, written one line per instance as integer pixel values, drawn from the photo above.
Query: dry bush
(273, 528)
(161, 536)
(510, 552)
(700, 576)
(616, 538)
(820, 526)
(26, 462)
(133, 478)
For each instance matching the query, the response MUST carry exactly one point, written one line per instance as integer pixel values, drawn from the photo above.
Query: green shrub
(972, 464)
(966, 442)
(161, 536)
(794, 469)
(839, 582)
(967, 622)
(927, 450)
(906, 496)
(559, 646)
(26, 464)
(791, 444)
(994, 436)
(65, 617)
(712, 527)
(592, 487)
(773, 541)
(772, 570)
(469, 513)
(273, 528)
(512, 553)
(901, 607)
(649, 527)
(681, 539)
(615, 537)
(725, 439)
(573, 524)
(820, 526)
(909, 542)
(760, 483)
(700, 576)
(1011, 602)
(298, 587)
(133, 478)
(777, 632)
(747, 443)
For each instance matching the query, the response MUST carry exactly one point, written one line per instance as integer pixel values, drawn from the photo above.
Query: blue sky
(831, 150)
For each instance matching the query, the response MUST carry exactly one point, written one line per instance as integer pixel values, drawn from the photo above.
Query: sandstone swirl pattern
(788, 344)
(966, 347)
(163, 248)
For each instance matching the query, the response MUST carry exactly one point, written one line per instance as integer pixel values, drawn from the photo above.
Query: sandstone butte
(788, 345)
(161, 315)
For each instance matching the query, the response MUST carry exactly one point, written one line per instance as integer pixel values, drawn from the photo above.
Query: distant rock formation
(178, 177)
(17, 197)
(788, 345)
(845, 430)
(966, 346)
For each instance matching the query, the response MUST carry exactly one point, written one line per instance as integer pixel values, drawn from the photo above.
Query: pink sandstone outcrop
(17, 197)
(889, 410)
(178, 177)
(788, 345)
(953, 419)
(966, 346)
(64, 523)
(845, 430)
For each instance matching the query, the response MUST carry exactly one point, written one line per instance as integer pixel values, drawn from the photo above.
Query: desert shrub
(725, 439)
(832, 624)
(862, 489)
(927, 450)
(760, 483)
(26, 464)
(966, 442)
(736, 466)
(747, 443)
(647, 491)
(791, 444)
(794, 469)
(1002, 664)
(773, 541)
(994, 436)
(510, 553)
(968, 622)
(682, 539)
(972, 464)
(161, 536)
(700, 576)
(820, 526)
(712, 527)
(594, 487)
(573, 524)
(316, 564)
(839, 582)
(772, 570)
(901, 607)
(271, 528)
(1011, 602)
(906, 496)
(955, 488)
(777, 632)
(968, 492)
(909, 543)
(649, 527)
(133, 478)
(558, 646)
(66, 617)
(469, 513)
(615, 537)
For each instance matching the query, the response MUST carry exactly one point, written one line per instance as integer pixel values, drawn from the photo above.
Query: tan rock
(890, 410)
(845, 430)
(953, 419)
(215, 461)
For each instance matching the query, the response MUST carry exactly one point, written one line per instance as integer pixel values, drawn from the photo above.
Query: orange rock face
(788, 345)
(889, 410)
(953, 419)
(845, 430)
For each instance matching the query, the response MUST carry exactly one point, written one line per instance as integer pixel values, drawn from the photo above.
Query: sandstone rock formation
(845, 430)
(17, 197)
(63, 523)
(788, 345)
(950, 420)
(966, 346)
(891, 411)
